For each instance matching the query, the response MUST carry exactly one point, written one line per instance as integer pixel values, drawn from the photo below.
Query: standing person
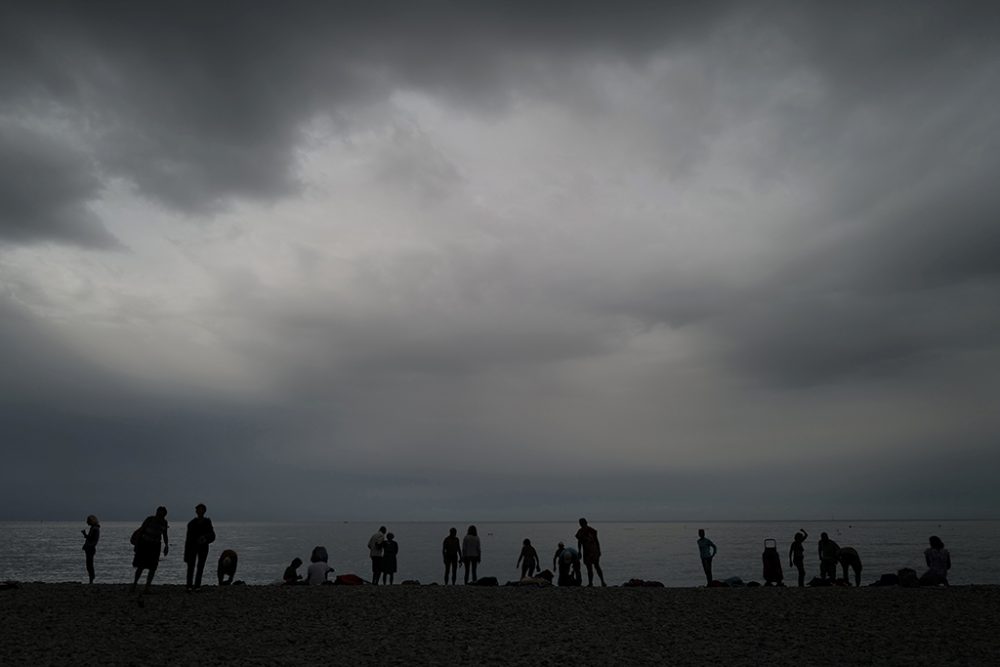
(848, 558)
(147, 546)
(797, 555)
(707, 551)
(451, 550)
(590, 547)
(200, 534)
(528, 560)
(227, 567)
(390, 549)
(471, 553)
(375, 543)
(938, 563)
(828, 552)
(90, 538)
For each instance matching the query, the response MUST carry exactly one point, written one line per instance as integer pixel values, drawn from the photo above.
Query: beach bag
(908, 578)
(348, 580)
(486, 581)
(134, 540)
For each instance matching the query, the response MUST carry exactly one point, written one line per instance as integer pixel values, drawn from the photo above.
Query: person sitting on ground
(451, 551)
(318, 568)
(590, 547)
(528, 560)
(938, 563)
(227, 567)
(390, 549)
(828, 550)
(849, 558)
(471, 553)
(797, 555)
(292, 576)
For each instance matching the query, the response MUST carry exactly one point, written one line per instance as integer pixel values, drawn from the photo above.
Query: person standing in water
(451, 551)
(147, 546)
(200, 534)
(707, 551)
(797, 555)
(590, 547)
(471, 553)
(90, 538)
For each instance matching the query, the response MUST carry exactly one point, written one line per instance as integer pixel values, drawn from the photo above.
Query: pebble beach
(63, 624)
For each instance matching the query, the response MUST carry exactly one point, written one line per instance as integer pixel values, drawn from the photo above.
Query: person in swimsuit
(797, 555)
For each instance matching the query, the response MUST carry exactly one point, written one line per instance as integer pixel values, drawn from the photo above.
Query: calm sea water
(51, 551)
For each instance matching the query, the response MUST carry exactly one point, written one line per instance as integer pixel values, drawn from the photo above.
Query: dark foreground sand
(74, 624)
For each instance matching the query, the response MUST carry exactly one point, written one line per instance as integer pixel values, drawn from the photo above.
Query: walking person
(90, 538)
(828, 554)
(590, 547)
(707, 551)
(146, 540)
(451, 551)
(471, 553)
(390, 549)
(528, 560)
(376, 552)
(200, 533)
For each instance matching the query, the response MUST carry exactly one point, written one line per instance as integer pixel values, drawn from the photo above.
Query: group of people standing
(831, 555)
(148, 539)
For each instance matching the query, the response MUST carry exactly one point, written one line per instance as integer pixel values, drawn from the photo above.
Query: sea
(51, 551)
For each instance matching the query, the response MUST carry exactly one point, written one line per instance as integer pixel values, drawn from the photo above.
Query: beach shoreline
(106, 624)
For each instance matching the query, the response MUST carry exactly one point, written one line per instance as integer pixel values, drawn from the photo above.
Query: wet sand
(268, 625)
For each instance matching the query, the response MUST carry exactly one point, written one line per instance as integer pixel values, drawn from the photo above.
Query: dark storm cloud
(44, 190)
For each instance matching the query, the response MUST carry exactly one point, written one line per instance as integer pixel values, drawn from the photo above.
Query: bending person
(147, 546)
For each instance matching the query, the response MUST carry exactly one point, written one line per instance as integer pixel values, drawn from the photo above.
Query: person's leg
(524, 570)
(802, 574)
(135, 582)
(857, 577)
(706, 565)
(90, 565)
(475, 570)
(590, 573)
(190, 574)
(149, 578)
(465, 575)
(600, 573)
(200, 568)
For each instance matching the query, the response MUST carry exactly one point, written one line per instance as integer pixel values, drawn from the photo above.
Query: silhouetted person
(471, 553)
(375, 551)
(200, 534)
(227, 567)
(848, 558)
(90, 538)
(797, 555)
(451, 550)
(319, 567)
(828, 552)
(292, 576)
(147, 546)
(567, 560)
(528, 560)
(590, 547)
(390, 549)
(707, 551)
(938, 563)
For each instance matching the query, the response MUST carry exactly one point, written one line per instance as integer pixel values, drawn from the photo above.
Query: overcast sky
(478, 260)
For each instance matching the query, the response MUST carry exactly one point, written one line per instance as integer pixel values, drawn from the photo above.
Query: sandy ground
(105, 624)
